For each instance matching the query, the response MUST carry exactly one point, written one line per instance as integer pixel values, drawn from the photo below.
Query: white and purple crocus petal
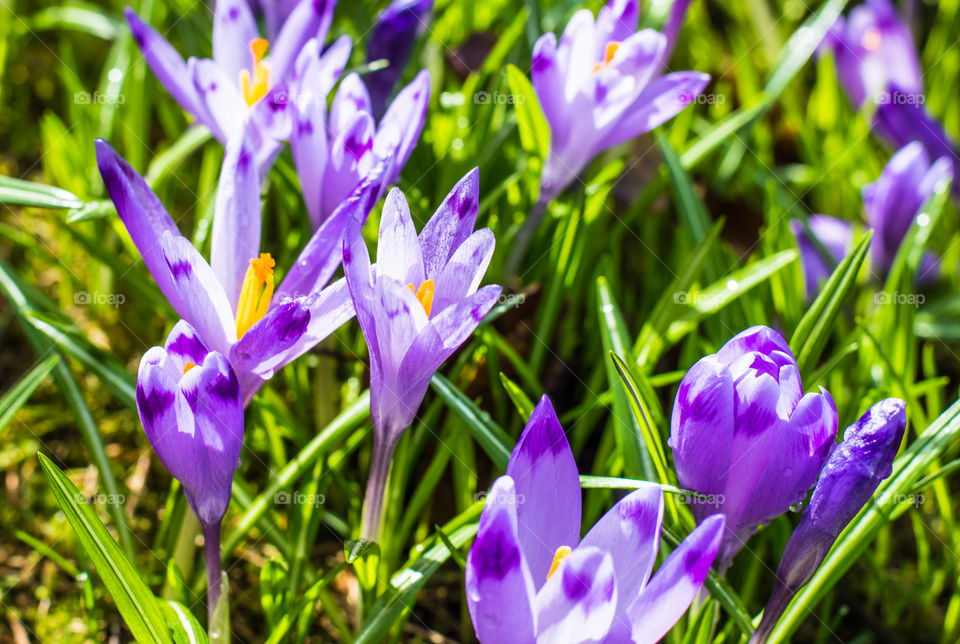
(836, 237)
(598, 590)
(743, 434)
(622, 94)
(193, 420)
(849, 478)
(893, 201)
(407, 345)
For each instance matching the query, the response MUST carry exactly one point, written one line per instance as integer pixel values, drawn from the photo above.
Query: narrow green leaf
(21, 392)
(534, 130)
(491, 437)
(27, 193)
(519, 397)
(181, 624)
(136, 603)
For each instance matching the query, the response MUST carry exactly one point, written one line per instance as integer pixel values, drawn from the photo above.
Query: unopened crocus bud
(393, 36)
(189, 402)
(745, 437)
(848, 480)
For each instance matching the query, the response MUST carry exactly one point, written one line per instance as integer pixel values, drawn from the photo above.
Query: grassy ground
(638, 261)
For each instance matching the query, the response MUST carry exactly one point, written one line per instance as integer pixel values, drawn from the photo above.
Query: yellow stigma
(187, 367)
(562, 553)
(425, 295)
(255, 89)
(871, 40)
(608, 53)
(255, 293)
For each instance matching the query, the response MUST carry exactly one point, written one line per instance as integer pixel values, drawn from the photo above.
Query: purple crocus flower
(415, 307)
(877, 63)
(530, 578)
(231, 301)
(848, 480)
(394, 34)
(335, 151)
(241, 83)
(189, 402)
(746, 437)
(600, 86)
(893, 201)
(835, 235)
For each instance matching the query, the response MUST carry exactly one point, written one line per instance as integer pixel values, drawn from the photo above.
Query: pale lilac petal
(466, 268)
(166, 63)
(398, 251)
(578, 602)
(579, 51)
(233, 28)
(184, 345)
(235, 238)
(271, 119)
(310, 19)
(400, 127)
(329, 310)
(617, 20)
(262, 347)
(618, 85)
(456, 322)
(630, 532)
(142, 214)
(451, 224)
(350, 158)
(662, 99)
(671, 591)
(203, 302)
(548, 79)
(220, 96)
(352, 97)
(761, 339)
(308, 142)
(399, 317)
(317, 69)
(499, 588)
(546, 478)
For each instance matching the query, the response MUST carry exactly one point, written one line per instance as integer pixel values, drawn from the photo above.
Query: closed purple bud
(835, 235)
(745, 437)
(394, 34)
(848, 480)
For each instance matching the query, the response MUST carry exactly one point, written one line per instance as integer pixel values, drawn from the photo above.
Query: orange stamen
(255, 293)
(562, 553)
(256, 88)
(187, 367)
(608, 53)
(425, 295)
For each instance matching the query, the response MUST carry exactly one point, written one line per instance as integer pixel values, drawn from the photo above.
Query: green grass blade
(492, 438)
(21, 392)
(27, 193)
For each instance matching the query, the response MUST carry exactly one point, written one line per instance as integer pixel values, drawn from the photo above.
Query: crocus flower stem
(211, 551)
(376, 496)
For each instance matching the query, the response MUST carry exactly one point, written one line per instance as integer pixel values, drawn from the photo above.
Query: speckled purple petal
(465, 270)
(451, 224)
(499, 587)
(183, 345)
(400, 127)
(578, 602)
(310, 19)
(263, 346)
(233, 28)
(617, 20)
(545, 475)
(675, 585)
(398, 251)
(220, 96)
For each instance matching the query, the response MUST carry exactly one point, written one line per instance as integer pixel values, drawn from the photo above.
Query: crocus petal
(546, 478)
(578, 51)
(761, 339)
(351, 97)
(308, 142)
(499, 587)
(275, 13)
(261, 348)
(142, 214)
(668, 595)
(220, 96)
(203, 302)
(394, 33)
(271, 120)
(235, 238)
(547, 77)
(350, 158)
(836, 236)
(451, 224)
(317, 69)
(310, 19)
(166, 63)
(618, 85)
(662, 99)
(630, 533)
(329, 310)
(456, 322)
(233, 28)
(218, 411)
(462, 274)
(400, 127)
(398, 252)
(617, 20)
(399, 317)
(168, 420)
(578, 602)
(184, 345)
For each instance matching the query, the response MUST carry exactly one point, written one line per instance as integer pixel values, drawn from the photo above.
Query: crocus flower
(893, 201)
(848, 480)
(530, 578)
(877, 64)
(600, 86)
(835, 235)
(334, 152)
(232, 301)
(275, 13)
(745, 437)
(415, 307)
(189, 402)
(394, 34)
(241, 83)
